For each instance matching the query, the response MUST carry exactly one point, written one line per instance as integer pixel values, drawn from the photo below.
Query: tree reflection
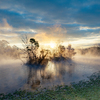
(38, 75)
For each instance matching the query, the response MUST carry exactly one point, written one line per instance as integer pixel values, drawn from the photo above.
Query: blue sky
(72, 21)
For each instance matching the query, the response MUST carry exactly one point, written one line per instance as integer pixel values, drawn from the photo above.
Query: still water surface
(15, 75)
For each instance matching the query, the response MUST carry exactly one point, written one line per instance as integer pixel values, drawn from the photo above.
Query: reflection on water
(52, 74)
(14, 75)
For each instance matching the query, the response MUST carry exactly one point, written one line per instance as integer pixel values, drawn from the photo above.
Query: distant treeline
(7, 51)
(95, 51)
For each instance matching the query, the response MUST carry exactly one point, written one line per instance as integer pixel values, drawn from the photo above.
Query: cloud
(5, 26)
(36, 17)
(39, 13)
(88, 28)
(52, 11)
(6, 32)
(90, 40)
(88, 15)
(52, 34)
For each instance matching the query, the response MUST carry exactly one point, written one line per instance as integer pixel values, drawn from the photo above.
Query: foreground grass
(84, 90)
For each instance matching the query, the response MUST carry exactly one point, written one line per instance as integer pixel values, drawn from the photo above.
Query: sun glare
(52, 45)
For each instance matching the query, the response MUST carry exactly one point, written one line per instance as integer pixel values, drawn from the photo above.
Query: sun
(52, 45)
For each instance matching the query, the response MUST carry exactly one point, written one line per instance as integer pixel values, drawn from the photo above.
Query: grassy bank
(83, 90)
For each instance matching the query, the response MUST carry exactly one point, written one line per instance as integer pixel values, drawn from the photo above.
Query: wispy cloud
(5, 26)
(51, 34)
(78, 19)
(90, 40)
(88, 28)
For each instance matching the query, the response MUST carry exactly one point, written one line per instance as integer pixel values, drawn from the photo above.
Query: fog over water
(15, 75)
(12, 75)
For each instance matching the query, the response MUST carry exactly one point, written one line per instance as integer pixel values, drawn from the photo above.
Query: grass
(83, 90)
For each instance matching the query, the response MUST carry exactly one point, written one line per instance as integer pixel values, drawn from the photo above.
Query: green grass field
(83, 90)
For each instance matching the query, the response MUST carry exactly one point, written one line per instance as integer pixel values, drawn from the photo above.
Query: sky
(75, 22)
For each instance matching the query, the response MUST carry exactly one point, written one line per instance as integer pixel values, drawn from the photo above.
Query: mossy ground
(83, 90)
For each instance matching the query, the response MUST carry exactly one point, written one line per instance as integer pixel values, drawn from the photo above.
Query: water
(12, 75)
(15, 75)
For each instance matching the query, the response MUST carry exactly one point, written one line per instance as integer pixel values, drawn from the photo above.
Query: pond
(15, 75)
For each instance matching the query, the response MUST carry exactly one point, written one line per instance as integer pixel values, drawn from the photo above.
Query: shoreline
(83, 90)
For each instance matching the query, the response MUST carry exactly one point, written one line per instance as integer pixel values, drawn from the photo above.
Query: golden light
(49, 45)
(52, 45)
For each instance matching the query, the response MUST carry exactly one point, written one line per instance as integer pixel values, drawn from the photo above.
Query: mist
(15, 74)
